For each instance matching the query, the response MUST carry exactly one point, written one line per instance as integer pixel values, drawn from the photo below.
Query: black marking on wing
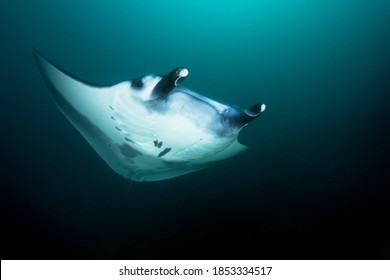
(129, 140)
(129, 152)
(155, 142)
(164, 152)
(160, 144)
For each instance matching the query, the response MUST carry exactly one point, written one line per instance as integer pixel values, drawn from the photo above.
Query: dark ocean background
(314, 184)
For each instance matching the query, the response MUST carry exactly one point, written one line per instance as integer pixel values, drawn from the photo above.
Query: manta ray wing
(87, 107)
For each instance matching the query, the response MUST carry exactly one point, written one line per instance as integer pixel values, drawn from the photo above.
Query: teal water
(313, 185)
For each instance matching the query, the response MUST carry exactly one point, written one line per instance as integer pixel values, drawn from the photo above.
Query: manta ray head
(165, 95)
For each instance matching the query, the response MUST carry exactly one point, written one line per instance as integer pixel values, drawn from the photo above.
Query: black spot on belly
(164, 152)
(157, 143)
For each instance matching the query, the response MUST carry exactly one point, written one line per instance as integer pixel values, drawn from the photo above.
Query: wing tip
(35, 52)
(39, 57)
(44, 63)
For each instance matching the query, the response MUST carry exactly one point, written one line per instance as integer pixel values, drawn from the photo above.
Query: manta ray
(151, 128)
